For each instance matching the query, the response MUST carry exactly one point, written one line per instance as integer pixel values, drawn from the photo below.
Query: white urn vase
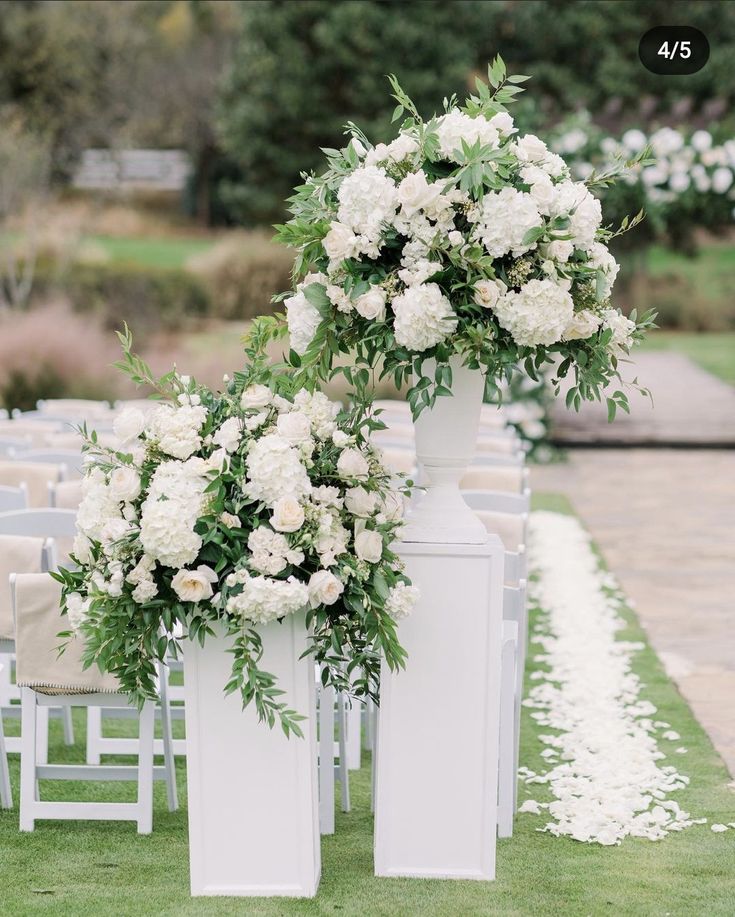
(446, 436)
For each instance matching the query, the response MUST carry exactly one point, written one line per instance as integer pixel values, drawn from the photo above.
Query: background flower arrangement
(238, 507)
(458, 237)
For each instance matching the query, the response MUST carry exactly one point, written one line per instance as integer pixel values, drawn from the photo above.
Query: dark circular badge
(674, 49)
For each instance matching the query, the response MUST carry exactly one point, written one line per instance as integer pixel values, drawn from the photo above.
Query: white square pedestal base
(253, 804)
(437, 765)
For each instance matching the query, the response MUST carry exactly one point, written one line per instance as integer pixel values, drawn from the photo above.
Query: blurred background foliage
(252, 90)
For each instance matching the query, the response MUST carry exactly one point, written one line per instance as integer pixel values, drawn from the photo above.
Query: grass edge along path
(80, 869)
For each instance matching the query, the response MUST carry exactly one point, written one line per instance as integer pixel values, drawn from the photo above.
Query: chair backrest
(399, 461)
(82, 407)
(35, 475)
(18, 554)
(66, 494)
(41, 523)
(510, 479)
(71, 459)
(31, 431)
(38, 621)
(12, 498)
(511, 527)
(494, 501)
(9, 444)
(514, 598)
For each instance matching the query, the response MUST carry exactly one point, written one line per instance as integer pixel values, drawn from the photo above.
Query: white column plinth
(437, 764)
(253, 800)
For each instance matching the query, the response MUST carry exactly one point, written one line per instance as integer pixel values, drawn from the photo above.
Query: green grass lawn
(171, 252)
(713, 351)
(710, 269)
(101, 869)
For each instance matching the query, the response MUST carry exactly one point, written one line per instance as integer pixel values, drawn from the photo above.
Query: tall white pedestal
(437, 780)
(253, 802)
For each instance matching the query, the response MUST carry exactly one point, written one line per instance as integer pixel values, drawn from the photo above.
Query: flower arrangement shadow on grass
(238, 507)
(457, 238)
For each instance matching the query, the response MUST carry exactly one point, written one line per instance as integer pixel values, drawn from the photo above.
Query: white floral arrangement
(238, 507)
(458, 237)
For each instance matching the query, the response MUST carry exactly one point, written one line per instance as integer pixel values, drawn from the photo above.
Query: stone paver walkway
(665, 521)
(691, 407)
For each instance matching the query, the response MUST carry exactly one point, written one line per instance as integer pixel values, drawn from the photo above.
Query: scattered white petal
(718, 829)
(531, 806)
(672, 735)
(681, 750)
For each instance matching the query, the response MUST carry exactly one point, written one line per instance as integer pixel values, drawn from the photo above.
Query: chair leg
(28, 759)
(344, 771)
(145, 768)
(326, 759)
(168, 741)
(68, 725)
(42, 717)
(6, 794)
(94, 733)
(354, 734)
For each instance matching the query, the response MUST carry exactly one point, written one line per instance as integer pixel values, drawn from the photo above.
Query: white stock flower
(176, 429)
(340, 242)
(538, 314)
(369, 546)
(423, 317)
(503, 219)
(324, 588)
(128, 424)
(399, 149)
(401, 600)
(274, 470)
(456, 126)
(487, 292)
(256, 396)
(371, 304)
(77, 610)
(599, 257)
(622, 329)
(584, 211)
(194, 585)
(303, 320)
(352, 464)
(229, 434)
(582, 326)
(295, 427)
(125, 483)
(288, 515)
(360, 502)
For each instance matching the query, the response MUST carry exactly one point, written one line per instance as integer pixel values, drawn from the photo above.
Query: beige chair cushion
(18, 554)
(509, 480)
(68, 494)
(35, 475)
(38, 623)
(509, 526)
(36, 430)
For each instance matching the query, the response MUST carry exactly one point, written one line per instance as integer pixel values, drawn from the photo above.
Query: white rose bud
(360, 502)
(340, 438)
(129, 424)
(353, 464)
(340, 242)
(324, 588)
(125, 483)
(455, 237)
(256, 396)
(194, 585)
(288, 515)
(294, 427)
(369, 546)
(582, 326)
(371, 304)
(487, 292)
(230, 520)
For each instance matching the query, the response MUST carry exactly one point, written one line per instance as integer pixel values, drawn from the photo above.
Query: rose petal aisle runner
(607, 775)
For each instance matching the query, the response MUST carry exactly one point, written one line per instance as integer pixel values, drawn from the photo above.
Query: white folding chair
(42, 671)
(6, 794)
(70, 459)
(35, 475)
(74, 406)
(332, 754)
(510, 479)
(13, 498)
(66, 494)
(30, 431)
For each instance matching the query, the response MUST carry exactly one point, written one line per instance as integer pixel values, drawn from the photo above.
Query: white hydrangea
(302, 316)
(175, 501)
(622, 329)
(401, 600)
(368, 200)
(320, 411)
(600, 258)
(582, 326)
(270, 551)
(503, 219)
(263, 599)
(99, 505)
(456, 126)
(584, 211)
(423, 317)
(538, 314)
(399, 149)
(274, 470)
(176, 429)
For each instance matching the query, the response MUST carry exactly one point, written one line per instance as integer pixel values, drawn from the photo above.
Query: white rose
(340, 242)
(369, 546)
(324, 588)
(352, 464)
(503, 123)
(455, 238)
(530, 149)
(230, 520)
(371, 304)
(559, 250)
(255, 396)
(295, 427)
(288, 515)
(360, 502)
(229, 434)
(125, 483)
(129, 424)
(416, 193)
(582, 326)
(194, 585)
(487, 292)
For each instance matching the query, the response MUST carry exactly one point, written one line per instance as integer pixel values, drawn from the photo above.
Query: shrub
(241, 273)
(50, 352)
(147, 298)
